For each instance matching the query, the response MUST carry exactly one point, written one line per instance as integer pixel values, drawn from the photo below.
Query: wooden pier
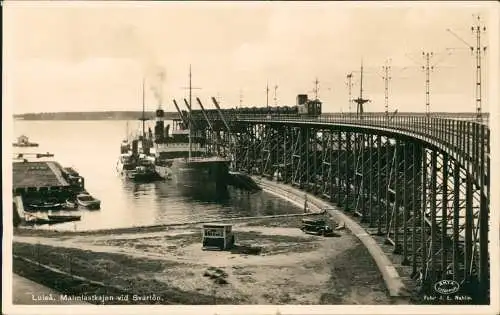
(42, 181)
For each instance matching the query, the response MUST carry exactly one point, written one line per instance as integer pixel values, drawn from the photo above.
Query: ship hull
(133, 175)
(164, 171)
(202, 177)
(143, 177)
(137, 175)
(127, 174)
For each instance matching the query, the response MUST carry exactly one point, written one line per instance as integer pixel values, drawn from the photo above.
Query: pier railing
(459, 134)
(465, 116)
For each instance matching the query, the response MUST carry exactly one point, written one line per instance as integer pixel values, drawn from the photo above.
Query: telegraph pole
(316, 88)
(427, 68)
(275, 96)
(387, 78)
(267, 95)
(477, 29)
(349, 86)
(241, 98)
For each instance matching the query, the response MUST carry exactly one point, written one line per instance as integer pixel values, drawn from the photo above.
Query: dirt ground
(274, 262)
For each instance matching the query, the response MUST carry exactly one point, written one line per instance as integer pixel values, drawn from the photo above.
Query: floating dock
(35, 181)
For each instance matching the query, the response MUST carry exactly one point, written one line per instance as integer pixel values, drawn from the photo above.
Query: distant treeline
(112, 115)
(135, 115)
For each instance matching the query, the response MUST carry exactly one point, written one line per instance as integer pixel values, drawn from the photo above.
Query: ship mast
(126, 131)
(190, 118)
(143, 110)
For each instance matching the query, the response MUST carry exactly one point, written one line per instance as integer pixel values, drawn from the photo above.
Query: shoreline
(317, 208)
(148, 228)
(288, 267)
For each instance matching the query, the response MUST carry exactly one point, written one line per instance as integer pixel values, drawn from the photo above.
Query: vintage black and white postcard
(252, 157)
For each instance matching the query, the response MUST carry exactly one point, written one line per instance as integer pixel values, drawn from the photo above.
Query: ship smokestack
(135, 147)
(160, 114)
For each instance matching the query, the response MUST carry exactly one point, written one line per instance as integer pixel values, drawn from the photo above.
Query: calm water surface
(92, 148)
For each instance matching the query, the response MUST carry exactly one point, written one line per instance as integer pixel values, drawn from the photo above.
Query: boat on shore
(23, 141)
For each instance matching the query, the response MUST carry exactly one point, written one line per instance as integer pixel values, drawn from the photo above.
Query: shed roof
(37, 174)
(214, 225)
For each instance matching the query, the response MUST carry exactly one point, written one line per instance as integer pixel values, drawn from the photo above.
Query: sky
(93, 56)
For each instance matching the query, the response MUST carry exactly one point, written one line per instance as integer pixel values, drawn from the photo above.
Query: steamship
(136, 161)
(187, 162)
(181, 155)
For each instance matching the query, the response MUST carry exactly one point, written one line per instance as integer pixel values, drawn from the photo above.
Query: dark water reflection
(92, 148)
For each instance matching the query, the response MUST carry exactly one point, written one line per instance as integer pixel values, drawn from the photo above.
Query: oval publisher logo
(447, 286)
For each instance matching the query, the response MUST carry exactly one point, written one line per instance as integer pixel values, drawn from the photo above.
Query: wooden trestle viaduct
(420, 180)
